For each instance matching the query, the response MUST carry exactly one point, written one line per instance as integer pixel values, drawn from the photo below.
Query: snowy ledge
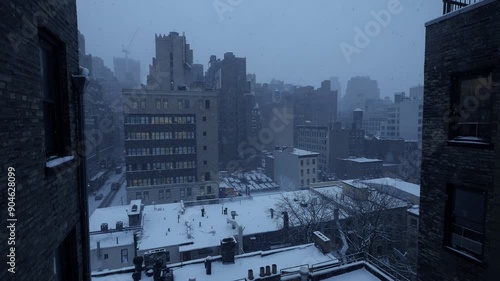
(462, 253)
(58, 161)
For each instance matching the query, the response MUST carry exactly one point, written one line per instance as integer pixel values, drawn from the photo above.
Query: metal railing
(453, 5)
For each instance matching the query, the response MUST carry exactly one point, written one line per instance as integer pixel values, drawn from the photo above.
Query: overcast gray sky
(291, 40)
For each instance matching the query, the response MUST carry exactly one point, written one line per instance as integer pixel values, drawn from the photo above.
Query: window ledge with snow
(54, 162)
(463, 254)
(470, 141)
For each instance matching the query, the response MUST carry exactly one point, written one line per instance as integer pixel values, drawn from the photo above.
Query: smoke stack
(274, 269)
(262, 273)
(250, 274)
(272, 213)
(268, 270)
(202, 212)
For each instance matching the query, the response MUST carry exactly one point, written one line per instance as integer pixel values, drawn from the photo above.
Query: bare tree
(307, 212)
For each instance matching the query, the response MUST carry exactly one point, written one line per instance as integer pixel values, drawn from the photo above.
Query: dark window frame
(451, 225)
(53, 64)
(458, 110)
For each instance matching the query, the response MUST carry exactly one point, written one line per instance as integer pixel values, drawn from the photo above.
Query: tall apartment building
(315, 138)
(171, 67)
(358, 91)
(404, 118)
(459, 228)
(171, 150)
(230, 78)
(45, 234)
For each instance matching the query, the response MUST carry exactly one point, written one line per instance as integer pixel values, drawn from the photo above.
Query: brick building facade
(40, 126)
(459, 229)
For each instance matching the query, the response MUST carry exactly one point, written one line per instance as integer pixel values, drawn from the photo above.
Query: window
(158, 104)
(204, 133)
(124, 255)
(167, 193)
(207, 104)
(161, 194)
(301, 172)
(202, 190)
(308, 171)
(314, 161)
(165, 104)
(189, 191)
(183, 192)
(179, 104)
(200, 104)
(204, 118)
(65, 267)
(55, 103)
(204, 147)
(465, 220)
(209, 189)
(138, 195)
(204, 162)
(143, 104)
(106, 256)
(207, 176)
(301, 162)
(470, 114)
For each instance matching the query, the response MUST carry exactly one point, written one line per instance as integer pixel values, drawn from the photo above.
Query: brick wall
(47, 205)
(458, 42)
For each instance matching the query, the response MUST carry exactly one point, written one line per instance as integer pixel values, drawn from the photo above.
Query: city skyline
(216, 27)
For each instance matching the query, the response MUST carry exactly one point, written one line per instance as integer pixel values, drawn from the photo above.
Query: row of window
(159, 135)
(162, 180)
(160, 120)
(312, 134)
(308, 182)
(307, 171)
(167, 193)
(145, 151)
(307, 162)
(162, 166)
(162, 104)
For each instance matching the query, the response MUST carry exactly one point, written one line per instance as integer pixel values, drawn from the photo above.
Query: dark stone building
(230, 78)
(41, 132)
(459, 229)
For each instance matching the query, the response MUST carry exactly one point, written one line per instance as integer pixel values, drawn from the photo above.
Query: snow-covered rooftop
(253, 213)
(362, 160)
(302, 152)
(358, 275)
(415, 209)
(111, 239)
(283, 258)
(407, 187)
(109, 215)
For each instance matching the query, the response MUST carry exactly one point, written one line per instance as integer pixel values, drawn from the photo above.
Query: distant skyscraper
(230, 78)
(358, 91)
(197, 73)
(127, 70)
(417, 92)
(335, 86)
(172, 64)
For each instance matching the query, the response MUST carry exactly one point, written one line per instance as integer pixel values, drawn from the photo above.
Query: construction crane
(127, 51)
